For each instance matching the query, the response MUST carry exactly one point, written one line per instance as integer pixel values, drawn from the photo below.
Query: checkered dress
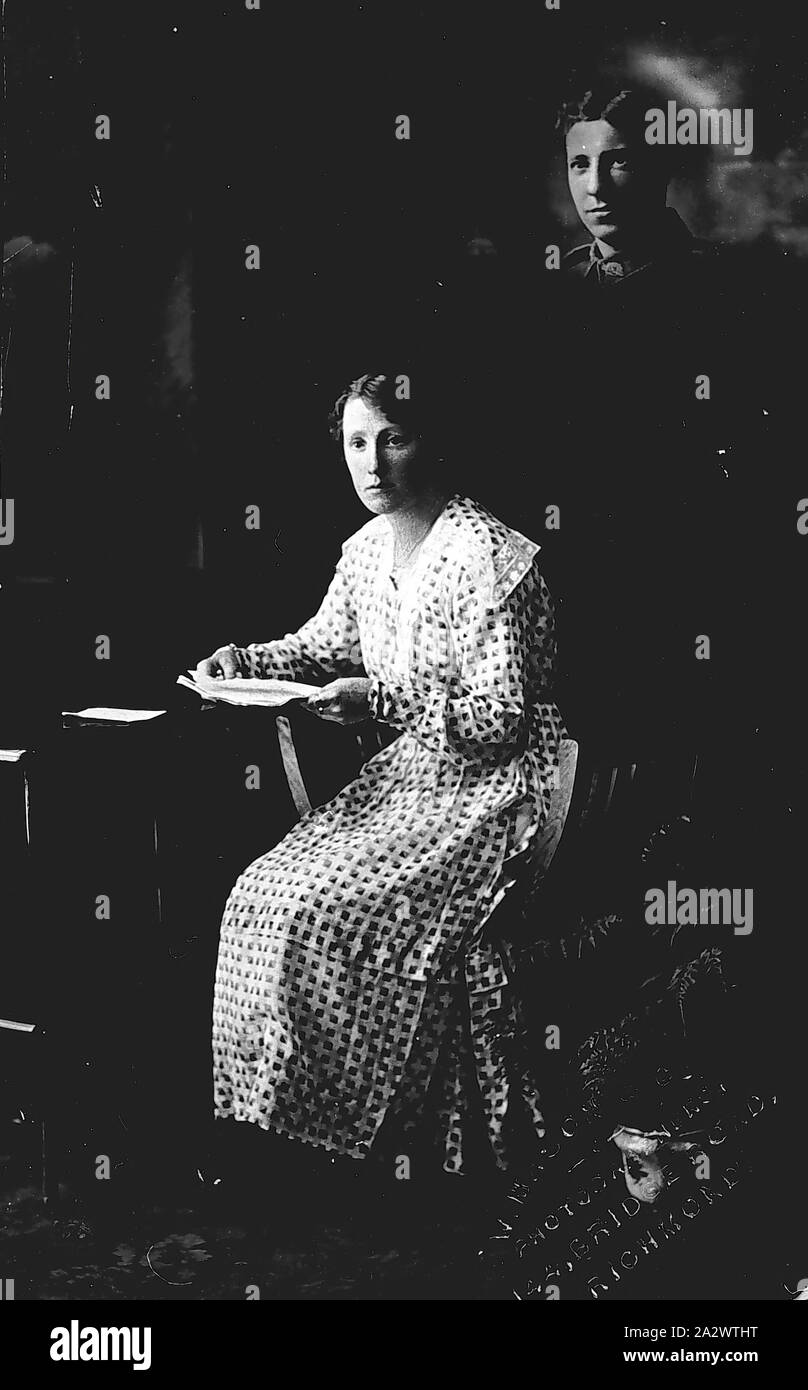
(351, 981)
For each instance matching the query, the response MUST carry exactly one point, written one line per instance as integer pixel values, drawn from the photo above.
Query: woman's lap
(325, 995)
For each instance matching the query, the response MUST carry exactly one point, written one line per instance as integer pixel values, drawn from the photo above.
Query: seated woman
(353, 985)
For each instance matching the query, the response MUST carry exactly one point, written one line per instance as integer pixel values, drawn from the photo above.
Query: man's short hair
(623, 107)
(626, 108)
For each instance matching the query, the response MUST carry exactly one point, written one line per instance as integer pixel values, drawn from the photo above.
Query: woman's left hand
(342, 701)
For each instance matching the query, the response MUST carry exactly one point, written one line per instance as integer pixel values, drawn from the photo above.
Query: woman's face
(381, 458)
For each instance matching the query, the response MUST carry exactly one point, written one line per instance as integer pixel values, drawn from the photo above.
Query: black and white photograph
(403, 772)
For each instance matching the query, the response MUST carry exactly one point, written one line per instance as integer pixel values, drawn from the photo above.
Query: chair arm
(291, 766)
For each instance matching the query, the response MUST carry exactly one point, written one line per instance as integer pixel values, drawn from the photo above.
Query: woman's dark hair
(390, 394)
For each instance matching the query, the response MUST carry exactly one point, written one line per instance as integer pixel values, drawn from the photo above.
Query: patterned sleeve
(323, 649)
(502, 690)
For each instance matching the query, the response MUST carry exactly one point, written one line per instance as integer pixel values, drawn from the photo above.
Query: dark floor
(301, 1227)
(304, 1228)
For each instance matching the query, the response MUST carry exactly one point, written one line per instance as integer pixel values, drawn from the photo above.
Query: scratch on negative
(182, 1284)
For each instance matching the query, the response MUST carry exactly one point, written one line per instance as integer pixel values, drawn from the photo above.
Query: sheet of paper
(249, 683)
(120, 716)
(247, 690)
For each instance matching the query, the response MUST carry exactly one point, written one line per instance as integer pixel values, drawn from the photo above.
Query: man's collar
(673, 238)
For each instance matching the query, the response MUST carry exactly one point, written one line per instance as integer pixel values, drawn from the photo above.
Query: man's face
(381, 457)
(612, 186)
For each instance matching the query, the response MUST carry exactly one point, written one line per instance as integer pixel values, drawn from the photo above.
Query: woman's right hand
(223, 663)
